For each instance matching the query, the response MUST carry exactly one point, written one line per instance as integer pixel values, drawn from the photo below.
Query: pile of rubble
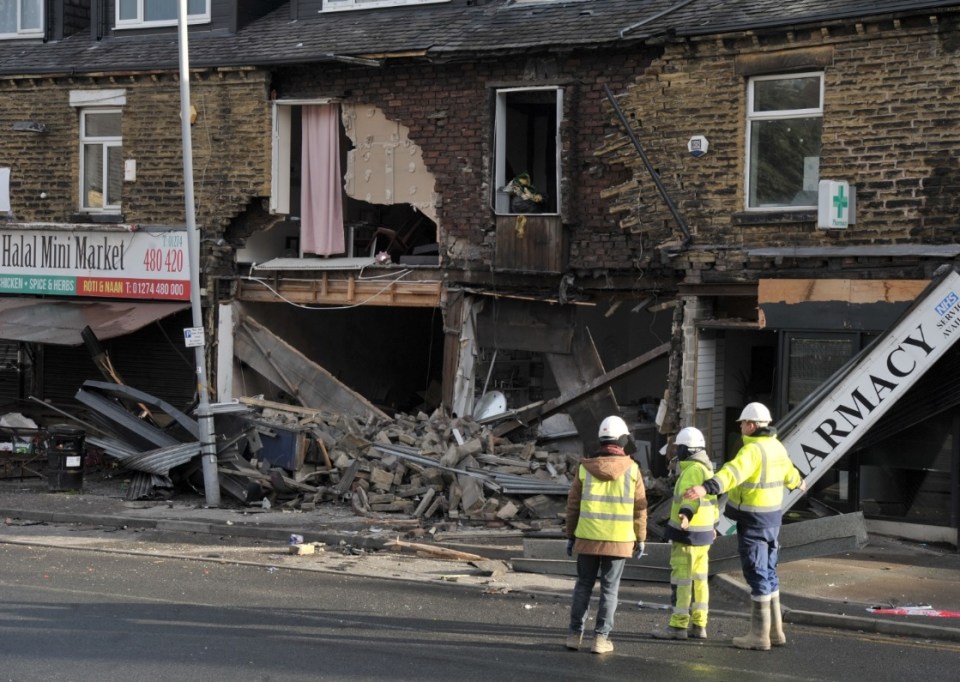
(418, 466)
(278, 455)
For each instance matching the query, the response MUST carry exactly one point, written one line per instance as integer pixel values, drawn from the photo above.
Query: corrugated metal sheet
(159, 461)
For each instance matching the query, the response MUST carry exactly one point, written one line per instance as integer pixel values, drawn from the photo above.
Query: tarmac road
(82, 613)
(828, 591)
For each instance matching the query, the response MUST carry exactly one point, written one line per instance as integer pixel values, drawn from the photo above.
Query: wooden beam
(579, 368)
(346, 291)
(524, 415)
(288, 368)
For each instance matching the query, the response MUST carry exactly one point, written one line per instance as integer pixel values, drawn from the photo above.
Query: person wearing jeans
(606, 522)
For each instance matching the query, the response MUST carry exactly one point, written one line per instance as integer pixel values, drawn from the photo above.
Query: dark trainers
(698, 632)
(670, 633)
(573, 640)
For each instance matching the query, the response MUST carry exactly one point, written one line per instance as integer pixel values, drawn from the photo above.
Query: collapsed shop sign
(876, 382)
(124, 262)
(831, 421)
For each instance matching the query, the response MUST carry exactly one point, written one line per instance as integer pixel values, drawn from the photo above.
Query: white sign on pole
(193, 336)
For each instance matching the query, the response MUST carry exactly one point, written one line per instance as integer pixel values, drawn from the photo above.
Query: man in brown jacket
(606, 522)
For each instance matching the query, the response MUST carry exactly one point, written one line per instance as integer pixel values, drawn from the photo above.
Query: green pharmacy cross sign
(834, 204)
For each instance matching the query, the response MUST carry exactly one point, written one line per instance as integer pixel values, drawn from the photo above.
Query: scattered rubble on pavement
(425, 468)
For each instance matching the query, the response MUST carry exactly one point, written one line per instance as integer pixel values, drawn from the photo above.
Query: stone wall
(230, 145)
(891, 127)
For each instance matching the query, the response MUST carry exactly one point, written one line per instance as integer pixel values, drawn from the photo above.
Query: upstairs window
(101, 160)
(527, 138)
(140, 13)
(342, 5)
(21, 18)
(784, 126)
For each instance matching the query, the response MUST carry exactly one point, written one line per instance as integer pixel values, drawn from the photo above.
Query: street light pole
(208, 446)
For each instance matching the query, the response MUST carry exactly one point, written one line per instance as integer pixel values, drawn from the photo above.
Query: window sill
(773, 217)
(104, 218)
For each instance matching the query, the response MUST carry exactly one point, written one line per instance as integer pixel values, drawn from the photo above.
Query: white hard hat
(755, 412)
(691, 437)
(612, 428)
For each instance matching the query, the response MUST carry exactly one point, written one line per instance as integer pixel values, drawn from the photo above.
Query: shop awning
(59, 322)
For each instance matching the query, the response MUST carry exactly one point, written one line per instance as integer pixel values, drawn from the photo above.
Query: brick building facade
(604, 275)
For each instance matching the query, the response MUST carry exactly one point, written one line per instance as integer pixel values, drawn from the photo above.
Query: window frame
(140, 22)
(27, 32)
(353, 5)
(108, 142)
(501, 201)
(776, 115)
(282, 138)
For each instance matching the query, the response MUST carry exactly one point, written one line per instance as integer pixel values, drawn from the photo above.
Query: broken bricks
(421, 466)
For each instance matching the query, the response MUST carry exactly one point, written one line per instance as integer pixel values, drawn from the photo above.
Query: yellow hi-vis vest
(757, 475)
(606, 507)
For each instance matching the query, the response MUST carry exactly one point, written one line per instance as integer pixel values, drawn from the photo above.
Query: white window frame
(108, 142)
(26, 32)
(780, 114)
(502, 200)
(348, 5)
(280, 156)
(140, 22)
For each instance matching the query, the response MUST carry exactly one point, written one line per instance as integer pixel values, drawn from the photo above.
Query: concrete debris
(426, 468)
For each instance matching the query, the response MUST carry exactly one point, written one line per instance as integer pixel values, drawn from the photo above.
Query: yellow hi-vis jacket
(754, 480)
(704, 513)
(606, 506)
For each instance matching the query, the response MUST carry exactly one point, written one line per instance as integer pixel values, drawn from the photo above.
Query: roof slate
(442, 31)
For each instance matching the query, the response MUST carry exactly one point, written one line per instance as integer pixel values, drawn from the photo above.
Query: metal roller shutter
(152, 359)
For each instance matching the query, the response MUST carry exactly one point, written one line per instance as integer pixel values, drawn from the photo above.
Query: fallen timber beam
(285, 366)
(432, 550)
(523, 416)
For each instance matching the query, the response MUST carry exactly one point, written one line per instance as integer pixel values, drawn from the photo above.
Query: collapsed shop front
(479, 354)
(69, 293)
(903, 471)
(558, 370)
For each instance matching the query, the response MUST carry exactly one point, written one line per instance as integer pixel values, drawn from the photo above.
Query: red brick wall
(449, 112)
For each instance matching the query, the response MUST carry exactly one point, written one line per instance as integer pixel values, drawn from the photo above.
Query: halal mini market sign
(140, 264)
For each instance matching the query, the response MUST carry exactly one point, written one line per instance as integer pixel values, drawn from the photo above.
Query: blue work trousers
(589, 568)
(759, 552)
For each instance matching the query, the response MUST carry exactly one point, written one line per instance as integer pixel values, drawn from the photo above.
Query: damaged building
(534, 212)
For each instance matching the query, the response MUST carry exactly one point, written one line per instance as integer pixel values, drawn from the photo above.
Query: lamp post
(208, 446)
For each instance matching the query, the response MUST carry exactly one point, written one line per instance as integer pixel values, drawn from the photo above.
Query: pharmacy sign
(834, 204)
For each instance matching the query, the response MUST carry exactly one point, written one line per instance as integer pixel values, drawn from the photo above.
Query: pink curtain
(321, 199)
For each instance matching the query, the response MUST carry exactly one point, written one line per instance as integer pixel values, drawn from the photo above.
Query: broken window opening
(407, 235)
(351, 195)
(527, 138)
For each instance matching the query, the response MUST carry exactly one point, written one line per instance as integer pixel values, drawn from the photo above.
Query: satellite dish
(490, 405)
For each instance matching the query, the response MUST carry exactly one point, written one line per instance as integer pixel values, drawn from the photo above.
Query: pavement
(838, 591)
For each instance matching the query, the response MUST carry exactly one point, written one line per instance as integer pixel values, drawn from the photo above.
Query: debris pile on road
(278, 455)
(420, 466)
